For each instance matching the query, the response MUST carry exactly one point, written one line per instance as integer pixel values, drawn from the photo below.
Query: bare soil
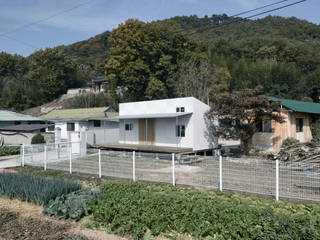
(20, 220)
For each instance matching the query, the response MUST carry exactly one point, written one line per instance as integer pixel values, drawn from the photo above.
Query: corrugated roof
(158, 115)
(13, 116)
(80, 114)
(299, 106)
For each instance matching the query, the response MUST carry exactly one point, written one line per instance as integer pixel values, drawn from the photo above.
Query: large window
(265, 126)
(299, 124)
(97, 123)
(180, 131)
(70, 127)
(128, 126)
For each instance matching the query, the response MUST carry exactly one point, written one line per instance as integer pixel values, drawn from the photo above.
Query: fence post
(277, 180)
(22, 160)
(134, 165)
(70, 157)
(220, 172)
(173, 171)
(99, 163)
(45, 158)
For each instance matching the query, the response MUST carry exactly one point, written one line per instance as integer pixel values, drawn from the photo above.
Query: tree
(142, 56)
(240, 114)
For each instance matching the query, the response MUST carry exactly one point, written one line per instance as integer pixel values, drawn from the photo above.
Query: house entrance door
(146, 132)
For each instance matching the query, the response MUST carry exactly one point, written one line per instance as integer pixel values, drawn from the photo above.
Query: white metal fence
(274, 178)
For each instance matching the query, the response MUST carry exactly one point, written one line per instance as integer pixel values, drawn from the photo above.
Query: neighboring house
(16, 128)
(297, 117)
(96, 121)
(97, 84)
(177, 123)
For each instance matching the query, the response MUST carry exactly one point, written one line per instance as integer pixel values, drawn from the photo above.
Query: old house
(95, 121)
(17, 128)
(297, 117)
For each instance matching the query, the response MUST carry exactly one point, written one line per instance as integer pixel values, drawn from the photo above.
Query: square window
(70, 126)
(182, 109)
(97, 123)
(177, 109)
(128, 126)
(299, 124)
(51, 128)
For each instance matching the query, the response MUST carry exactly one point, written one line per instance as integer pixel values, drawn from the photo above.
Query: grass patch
(35, 189)
(129, 208)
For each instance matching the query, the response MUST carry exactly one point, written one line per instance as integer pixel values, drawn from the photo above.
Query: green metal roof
(80, 114)
(299, 106)
(8, 116)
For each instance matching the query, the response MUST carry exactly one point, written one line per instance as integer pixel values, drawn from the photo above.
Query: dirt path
(20, 220)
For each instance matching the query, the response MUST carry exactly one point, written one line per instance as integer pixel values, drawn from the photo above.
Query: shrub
(315, 129)
(9, 150)
(289, 141)
(135, 208)
(72, 205)
(35, 189)
(38, 139)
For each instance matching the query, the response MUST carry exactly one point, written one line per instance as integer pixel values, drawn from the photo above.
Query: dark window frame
(180, 130)
(71, 127)
(128, 127)
(96, 123)
(299, 124)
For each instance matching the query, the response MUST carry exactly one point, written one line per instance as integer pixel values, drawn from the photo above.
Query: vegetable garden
(136, 209)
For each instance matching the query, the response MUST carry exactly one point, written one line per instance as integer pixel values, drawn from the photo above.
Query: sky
(63, 22)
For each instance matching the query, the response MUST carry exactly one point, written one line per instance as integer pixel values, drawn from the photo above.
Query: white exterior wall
(165, 128)
(89, 126)
(129, 137)
(200, 134)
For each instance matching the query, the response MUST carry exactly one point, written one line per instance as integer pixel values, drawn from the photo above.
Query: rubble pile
(301, 152)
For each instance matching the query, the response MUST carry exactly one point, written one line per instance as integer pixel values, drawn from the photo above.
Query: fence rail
(274, 178)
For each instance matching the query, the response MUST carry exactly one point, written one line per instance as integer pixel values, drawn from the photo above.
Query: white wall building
(177, 122)
(96, 122)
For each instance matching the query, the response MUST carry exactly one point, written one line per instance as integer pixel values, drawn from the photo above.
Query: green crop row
(35, 189)
(129, 208)
(9, 150)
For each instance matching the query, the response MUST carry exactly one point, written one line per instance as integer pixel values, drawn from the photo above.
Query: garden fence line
(294, 180)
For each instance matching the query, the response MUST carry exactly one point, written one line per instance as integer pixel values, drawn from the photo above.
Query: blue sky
(96, 16)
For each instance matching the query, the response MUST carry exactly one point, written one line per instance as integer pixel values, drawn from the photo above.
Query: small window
(70, 126)
(17, 123)
(97, 123)
(128, 126)
(180, 109)
(180, 131)
(264, 126)
(299, 124)
(267, 126)
(51, 128)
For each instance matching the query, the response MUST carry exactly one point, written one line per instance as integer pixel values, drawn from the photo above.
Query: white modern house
(176, 123)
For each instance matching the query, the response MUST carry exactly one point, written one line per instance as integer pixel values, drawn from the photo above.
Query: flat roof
(156, 115)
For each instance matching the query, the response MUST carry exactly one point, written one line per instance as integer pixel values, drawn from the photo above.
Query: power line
(275, 9)
(258, 14)
(255, 9)
(20, 41)
(5, 34)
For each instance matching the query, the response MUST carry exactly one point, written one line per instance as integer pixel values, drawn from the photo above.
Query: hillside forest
(181, 56)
